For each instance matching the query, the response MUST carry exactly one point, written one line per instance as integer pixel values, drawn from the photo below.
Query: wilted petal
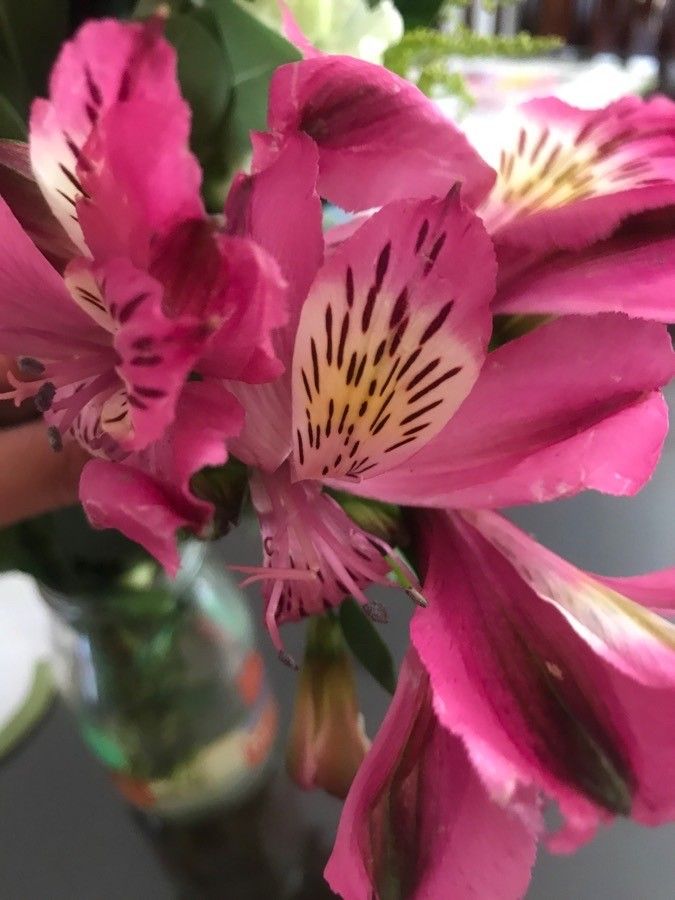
(391, 338)
(417, 822)
(552, 681)
(379, 138)
(288, 183)
(207, 417)
(567, 177)
(118, 496)
(106, 63)
(253, 311)
(566, 407)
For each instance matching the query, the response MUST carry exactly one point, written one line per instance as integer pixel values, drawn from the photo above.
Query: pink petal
(207, 417)
(634, 640)
(118, 496)
(37, 315)
(231, 285)
(391, 338)
(254, 311)
(575, 410)
(141, 179)
(418, 815)
(288, 183)
(522, 653)
(568, 177)
(19, 190)
(265, 441)
(155, 353)
(655, 590)
(379, 138)
(106, 63)
(148, 498)
(626, 273)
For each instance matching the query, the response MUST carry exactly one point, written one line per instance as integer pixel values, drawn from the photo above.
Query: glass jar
(167, 686)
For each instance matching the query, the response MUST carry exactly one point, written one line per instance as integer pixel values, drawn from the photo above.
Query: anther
(417, 598)
(45, 397)
(288, 660)
(55, 439)
(376, 612)
(30, 366)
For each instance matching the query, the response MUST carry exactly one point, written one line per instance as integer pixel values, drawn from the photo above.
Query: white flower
(338, 26)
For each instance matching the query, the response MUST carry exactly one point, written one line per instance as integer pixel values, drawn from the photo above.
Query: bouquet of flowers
(476, 334)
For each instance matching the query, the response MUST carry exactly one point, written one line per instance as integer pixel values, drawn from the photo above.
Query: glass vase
(167, 686)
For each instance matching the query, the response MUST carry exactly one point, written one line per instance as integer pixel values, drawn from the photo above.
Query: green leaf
(254, 52)
(205, 75)
(384, 520)
(30, 36)
(419, 12)
(12, 125)
(366, 644)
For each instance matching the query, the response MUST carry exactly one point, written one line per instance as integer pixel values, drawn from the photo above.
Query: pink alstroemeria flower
(565, 209)
(392, 394)
(154, 294)
(529, 680)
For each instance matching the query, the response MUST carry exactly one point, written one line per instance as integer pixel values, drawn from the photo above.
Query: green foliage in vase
(61, 550)
(149, 720)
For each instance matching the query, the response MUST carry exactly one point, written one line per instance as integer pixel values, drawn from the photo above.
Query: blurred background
(74, 823)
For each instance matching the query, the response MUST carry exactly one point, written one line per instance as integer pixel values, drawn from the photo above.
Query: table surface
(66, 835)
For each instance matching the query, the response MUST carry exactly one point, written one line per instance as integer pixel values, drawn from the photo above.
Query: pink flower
(567, 211)
(567, 177)
(528, 681)
(155, 292)
(553, 679)
(385, 346)
(392, 395)
(418, 822)
(377, 315)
